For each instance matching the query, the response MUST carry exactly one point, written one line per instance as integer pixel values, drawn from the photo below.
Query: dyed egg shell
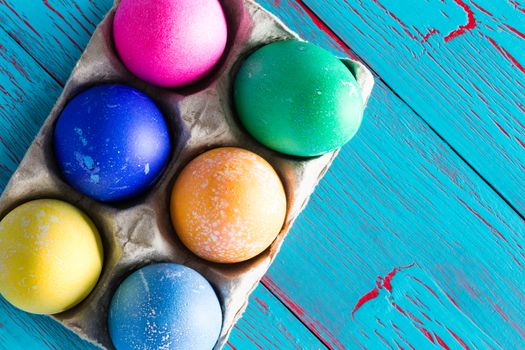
(298, 99)
(111, 142)
(50, 256)
(170, 43)
(165, 306)
(228, 205)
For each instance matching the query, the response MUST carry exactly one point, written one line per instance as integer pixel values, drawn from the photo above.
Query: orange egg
(228, 205)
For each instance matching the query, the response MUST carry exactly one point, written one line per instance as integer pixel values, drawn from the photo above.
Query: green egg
(298, 99)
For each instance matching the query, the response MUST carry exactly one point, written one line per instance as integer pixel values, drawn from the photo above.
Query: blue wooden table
(415, 239)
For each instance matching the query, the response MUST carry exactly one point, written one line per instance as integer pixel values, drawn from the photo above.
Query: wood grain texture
(398, 195)
(460, 64)
(407, 310)
(27, 95)
(268, 325)
(54, 32)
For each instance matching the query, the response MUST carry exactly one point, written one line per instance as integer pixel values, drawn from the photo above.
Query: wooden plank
(398, 195)
(460, 64)
(28, 93)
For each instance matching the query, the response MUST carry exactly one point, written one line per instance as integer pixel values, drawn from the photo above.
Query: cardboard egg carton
(201, 117)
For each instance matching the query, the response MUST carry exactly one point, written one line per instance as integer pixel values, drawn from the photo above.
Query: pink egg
(170, 43)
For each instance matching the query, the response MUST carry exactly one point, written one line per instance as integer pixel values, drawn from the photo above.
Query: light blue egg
(165, 306)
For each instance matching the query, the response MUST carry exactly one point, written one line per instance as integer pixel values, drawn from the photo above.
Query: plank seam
(60, 83)
(294, 313)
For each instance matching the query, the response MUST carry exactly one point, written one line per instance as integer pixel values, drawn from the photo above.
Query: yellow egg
(228, 205)
(50, 256)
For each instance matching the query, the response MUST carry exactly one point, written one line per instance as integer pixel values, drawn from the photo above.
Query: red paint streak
(383, 339)
(501, 129)
(19, 17)
(321, 25)
(427, 334)
(83, 15)
(327, 338)
(414, 318)
(482, 9)
(492, 228)
(458, 339)
(515, 31)
(452, 300)
(94, 3)
(5, 92)
(46, 3)
(505, 54)
(20, 69)
(429, 34)
(231, 346)
(471, 22)
(520, 142)
(263, 304)
(425, 285)
(62, 47)
(517, 6)
(412, 300)
(441, 342)
(398, 308)
(425, 316)
(247, 336)
(500, 311)
(374, 293)
(381, 282)
(82, 26)
(399, 346)
(396, 326)
(387, 281)
(277, 2)
(395, 18)
(69, 37)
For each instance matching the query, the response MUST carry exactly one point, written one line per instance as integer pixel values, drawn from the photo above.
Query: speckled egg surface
(50, 256)
(298, 99)
(228, 205)
(165, 306)
(111, 142)
(170, 43)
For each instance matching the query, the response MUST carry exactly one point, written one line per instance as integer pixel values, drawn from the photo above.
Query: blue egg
(111, 142)
(165, 306)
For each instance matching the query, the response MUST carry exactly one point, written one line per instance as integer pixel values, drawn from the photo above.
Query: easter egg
(298, 99)
(170, 43)
(165, 306)
(228, 205)
(111, 142)
(50, 256)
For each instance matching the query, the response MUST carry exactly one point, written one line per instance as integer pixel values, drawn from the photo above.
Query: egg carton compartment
(201, 117)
